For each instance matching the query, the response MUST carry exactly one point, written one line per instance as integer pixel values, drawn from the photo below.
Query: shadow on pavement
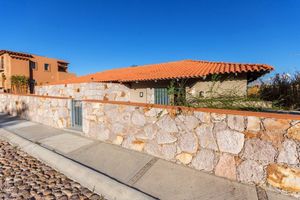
(7, 120)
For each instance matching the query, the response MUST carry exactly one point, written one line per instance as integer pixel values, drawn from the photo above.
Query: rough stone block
(275, 137)
(226, 167)
(149, 132)
(250, 171)
(191, 122)
(216, 117)
(153, 148)
(206, 137)
(220, 126)
(253, 124)
(118, 129)
(236, 122)
(204, 117)
(188, 142)
(284, 177)
(204, 160)
(167, 124)
(165, 137)
(288, 153)
(152, 112)
(118, 140)
(168, 151)
(184, 158)
(138, 119)
(131, 142)
(230, 141)
(294, 132)
(125, 118)
(259, 150)
(276, 124)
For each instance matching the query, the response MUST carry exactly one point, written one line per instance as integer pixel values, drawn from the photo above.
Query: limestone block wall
(252, 148)
(248, 147)
(100, 91)
(51, 111)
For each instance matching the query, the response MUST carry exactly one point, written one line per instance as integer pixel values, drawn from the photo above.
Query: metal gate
(161, 96)
(77, 114)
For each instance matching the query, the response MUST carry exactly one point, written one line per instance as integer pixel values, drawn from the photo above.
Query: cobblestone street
(24, 177)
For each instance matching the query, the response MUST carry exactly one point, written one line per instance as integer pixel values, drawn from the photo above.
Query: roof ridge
(184, 60)
(235, 63)
(10, 51)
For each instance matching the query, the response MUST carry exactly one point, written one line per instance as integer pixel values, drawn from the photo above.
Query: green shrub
(283, 90)
(19, 83)
(214, 99)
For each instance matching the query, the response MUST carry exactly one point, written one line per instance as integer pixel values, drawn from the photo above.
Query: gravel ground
(24, 177)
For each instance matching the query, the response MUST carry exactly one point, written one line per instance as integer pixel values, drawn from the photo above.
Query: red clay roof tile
(15, 53)
(169, 70)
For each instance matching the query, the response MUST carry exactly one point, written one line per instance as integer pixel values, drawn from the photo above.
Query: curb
(94, 181)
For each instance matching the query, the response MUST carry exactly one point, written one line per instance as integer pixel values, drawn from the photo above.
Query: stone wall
(249, 147)
(100, 91)
(46, 110)
(252, 148)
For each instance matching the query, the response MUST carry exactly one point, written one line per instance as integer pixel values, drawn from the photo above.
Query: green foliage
(214, 96)
(176, 92)
(229, 102)
(283, 91)
(19, 83)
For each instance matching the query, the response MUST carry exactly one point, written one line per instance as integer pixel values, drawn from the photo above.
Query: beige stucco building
(39, 69)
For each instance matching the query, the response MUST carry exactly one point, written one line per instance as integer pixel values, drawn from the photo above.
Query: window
(161, 96)
(62, 68)
(201, 94)
(33, 65)
(2, 63)
(46, 67)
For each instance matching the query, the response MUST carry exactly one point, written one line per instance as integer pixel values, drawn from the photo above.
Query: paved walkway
(153, 176)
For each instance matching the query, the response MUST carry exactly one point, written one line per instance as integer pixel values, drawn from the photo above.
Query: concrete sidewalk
(152, 176)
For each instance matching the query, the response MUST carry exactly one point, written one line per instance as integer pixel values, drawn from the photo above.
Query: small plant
(177, 93)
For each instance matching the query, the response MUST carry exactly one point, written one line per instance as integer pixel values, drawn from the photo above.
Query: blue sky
(98, 35)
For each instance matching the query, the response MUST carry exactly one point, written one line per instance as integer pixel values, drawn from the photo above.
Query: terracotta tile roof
(27, 55)
(15, 53)
(170, 70)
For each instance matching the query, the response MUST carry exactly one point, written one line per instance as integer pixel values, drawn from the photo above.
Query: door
(77, 114)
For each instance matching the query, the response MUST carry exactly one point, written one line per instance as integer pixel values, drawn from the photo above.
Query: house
(39, 69)
(150, 83)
